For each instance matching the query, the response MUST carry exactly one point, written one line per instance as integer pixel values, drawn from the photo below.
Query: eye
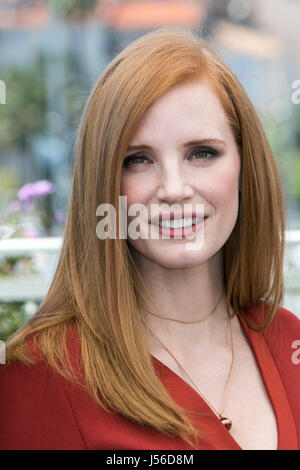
(135, 160)
(202, 153)
(206, 152)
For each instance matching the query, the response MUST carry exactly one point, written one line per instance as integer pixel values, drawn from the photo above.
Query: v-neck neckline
(273, 386)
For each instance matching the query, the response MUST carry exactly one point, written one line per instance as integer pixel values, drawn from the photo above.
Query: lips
(171, 216)
(181, 232)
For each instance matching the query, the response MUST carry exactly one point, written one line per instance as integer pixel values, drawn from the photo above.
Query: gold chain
(220, 415)
(189, 322)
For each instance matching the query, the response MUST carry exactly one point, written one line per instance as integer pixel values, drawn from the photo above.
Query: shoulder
(289, 320)
(284, 321)
(40, 369)
(35, 411)
(285, 327)
(282, 336)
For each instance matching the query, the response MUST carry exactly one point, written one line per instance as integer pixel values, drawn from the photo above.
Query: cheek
(136, 190)
(224, 190)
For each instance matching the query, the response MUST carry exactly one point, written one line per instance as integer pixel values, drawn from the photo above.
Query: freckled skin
(174, 174)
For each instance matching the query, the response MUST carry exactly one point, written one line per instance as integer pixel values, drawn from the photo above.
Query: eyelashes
(209, 150)
(139, 159)
(133, 158)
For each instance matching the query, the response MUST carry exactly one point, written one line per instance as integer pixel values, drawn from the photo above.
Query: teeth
(180, 223)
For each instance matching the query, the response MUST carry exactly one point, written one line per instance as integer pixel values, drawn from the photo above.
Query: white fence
(44, 253)
(34, 286)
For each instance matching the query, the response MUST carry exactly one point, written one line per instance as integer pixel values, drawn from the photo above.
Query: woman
(163, 342)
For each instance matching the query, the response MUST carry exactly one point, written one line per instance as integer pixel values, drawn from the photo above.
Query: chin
(174, 264)
(183, 261)
(173, 257)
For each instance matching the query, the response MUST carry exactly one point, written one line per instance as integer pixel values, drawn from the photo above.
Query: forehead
(184, 110)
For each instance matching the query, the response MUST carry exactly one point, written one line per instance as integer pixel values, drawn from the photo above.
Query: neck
(188, 295)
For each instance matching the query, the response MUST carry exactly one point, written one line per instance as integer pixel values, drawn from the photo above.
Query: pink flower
(37, 189)
(42, 188)
(25, 192)
(32, 233)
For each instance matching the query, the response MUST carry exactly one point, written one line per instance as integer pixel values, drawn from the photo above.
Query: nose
(174, 185)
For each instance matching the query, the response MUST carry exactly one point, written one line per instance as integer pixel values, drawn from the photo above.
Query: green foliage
(16, 265)
(24, 113)
(12, 317)
(69, 8)
(298, 175)
(296, 130)
(284, 139)
(76, 87)
(8, 179)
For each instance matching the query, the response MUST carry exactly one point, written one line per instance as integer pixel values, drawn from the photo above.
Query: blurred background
(52, 53)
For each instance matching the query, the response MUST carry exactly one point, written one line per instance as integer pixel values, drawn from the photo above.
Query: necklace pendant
(227, 422)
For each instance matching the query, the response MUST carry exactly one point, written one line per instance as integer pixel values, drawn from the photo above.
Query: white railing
(14, 246)
(34, 286)
(45, 251)
(293, 236)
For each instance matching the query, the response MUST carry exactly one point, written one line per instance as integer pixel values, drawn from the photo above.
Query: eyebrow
(187, 144)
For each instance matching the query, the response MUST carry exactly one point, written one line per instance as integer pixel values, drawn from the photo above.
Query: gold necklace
(226, 421)
(188, 322)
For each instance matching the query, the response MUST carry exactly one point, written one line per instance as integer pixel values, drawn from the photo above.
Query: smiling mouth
(179, 219)
(179, 223)
(179, 228)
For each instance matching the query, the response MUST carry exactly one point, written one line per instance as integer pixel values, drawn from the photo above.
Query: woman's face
(191, 158)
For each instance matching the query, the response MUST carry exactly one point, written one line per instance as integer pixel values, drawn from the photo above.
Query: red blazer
(41, 410)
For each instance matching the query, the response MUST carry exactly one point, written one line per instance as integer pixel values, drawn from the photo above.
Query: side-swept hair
(97, 287)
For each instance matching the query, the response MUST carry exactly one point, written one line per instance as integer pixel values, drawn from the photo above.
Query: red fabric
(41, 410)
